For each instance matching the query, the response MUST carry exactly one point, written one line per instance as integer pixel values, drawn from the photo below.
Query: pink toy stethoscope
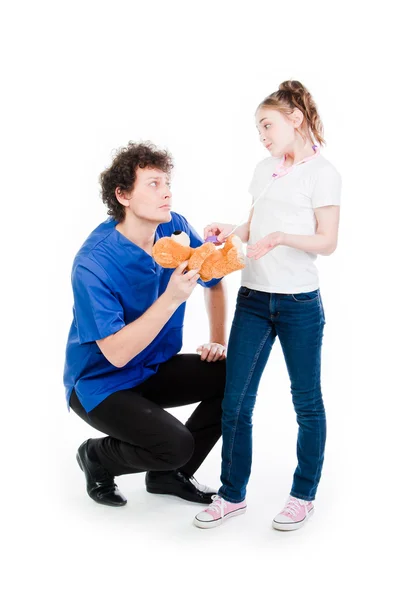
(279, 172)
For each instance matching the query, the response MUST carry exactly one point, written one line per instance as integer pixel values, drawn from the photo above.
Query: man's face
(150, 199)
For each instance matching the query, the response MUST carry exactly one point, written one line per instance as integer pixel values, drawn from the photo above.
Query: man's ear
(121, 196)
(296, 118)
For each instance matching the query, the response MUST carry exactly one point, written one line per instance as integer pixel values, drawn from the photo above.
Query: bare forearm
(216, 305)
(243, 232)
(128, 342)
(316, 244)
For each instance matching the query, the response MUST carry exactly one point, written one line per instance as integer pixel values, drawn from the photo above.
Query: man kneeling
(122, 366)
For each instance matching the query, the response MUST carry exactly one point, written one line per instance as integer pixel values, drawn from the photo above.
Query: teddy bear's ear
(181, 238)
(169, 254)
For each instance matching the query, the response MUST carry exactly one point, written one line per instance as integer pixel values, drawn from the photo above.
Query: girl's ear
(296, 118)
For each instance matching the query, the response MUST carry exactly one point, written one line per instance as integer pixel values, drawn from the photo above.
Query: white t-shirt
(288, 205)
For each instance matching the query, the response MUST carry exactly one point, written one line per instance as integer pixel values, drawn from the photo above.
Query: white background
(81, 79)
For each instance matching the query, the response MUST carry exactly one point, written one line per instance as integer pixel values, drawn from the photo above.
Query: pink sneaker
(218, 511)
(294, 515)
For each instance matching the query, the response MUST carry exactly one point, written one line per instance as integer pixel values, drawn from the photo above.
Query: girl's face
(277, 131)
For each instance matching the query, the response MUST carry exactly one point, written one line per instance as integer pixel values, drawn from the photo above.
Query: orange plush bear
(169, 252)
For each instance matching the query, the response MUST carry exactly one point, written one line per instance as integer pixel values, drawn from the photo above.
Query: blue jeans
(298, 321)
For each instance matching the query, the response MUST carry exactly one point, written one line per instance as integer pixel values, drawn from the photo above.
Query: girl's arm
(223, 230)
(324, 241)
(244, 230)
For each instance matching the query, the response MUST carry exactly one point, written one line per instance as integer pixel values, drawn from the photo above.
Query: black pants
(142, 436)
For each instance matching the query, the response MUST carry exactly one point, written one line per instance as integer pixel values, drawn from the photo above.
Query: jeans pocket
(305, 297)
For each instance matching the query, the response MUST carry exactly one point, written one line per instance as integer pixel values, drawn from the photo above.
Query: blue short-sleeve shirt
(114, 282)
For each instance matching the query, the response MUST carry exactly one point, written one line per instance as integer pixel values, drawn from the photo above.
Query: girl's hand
(265, 245)
(212, 352)
(222, 230)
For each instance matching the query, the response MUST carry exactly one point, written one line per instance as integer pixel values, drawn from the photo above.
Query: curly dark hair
(122, 172)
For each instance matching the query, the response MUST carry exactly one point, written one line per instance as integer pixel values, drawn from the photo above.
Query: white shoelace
(293, 506)
(218, 505)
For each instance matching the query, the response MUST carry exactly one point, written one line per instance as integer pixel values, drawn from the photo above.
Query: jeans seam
(321, 308)
(318, 472)
(305, 301)
(234, 428)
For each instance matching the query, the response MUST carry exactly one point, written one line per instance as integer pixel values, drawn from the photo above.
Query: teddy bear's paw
(234, 261)
(233, 241)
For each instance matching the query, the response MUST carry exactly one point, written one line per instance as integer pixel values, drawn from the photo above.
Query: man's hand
(212, 352)
(181, 284)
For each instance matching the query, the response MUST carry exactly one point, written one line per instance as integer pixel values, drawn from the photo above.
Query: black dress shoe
(178, 484)
(99, 483)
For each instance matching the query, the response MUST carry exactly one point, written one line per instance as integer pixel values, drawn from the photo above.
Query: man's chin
(164, 218)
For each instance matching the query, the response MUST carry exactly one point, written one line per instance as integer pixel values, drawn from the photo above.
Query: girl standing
(295, 216)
